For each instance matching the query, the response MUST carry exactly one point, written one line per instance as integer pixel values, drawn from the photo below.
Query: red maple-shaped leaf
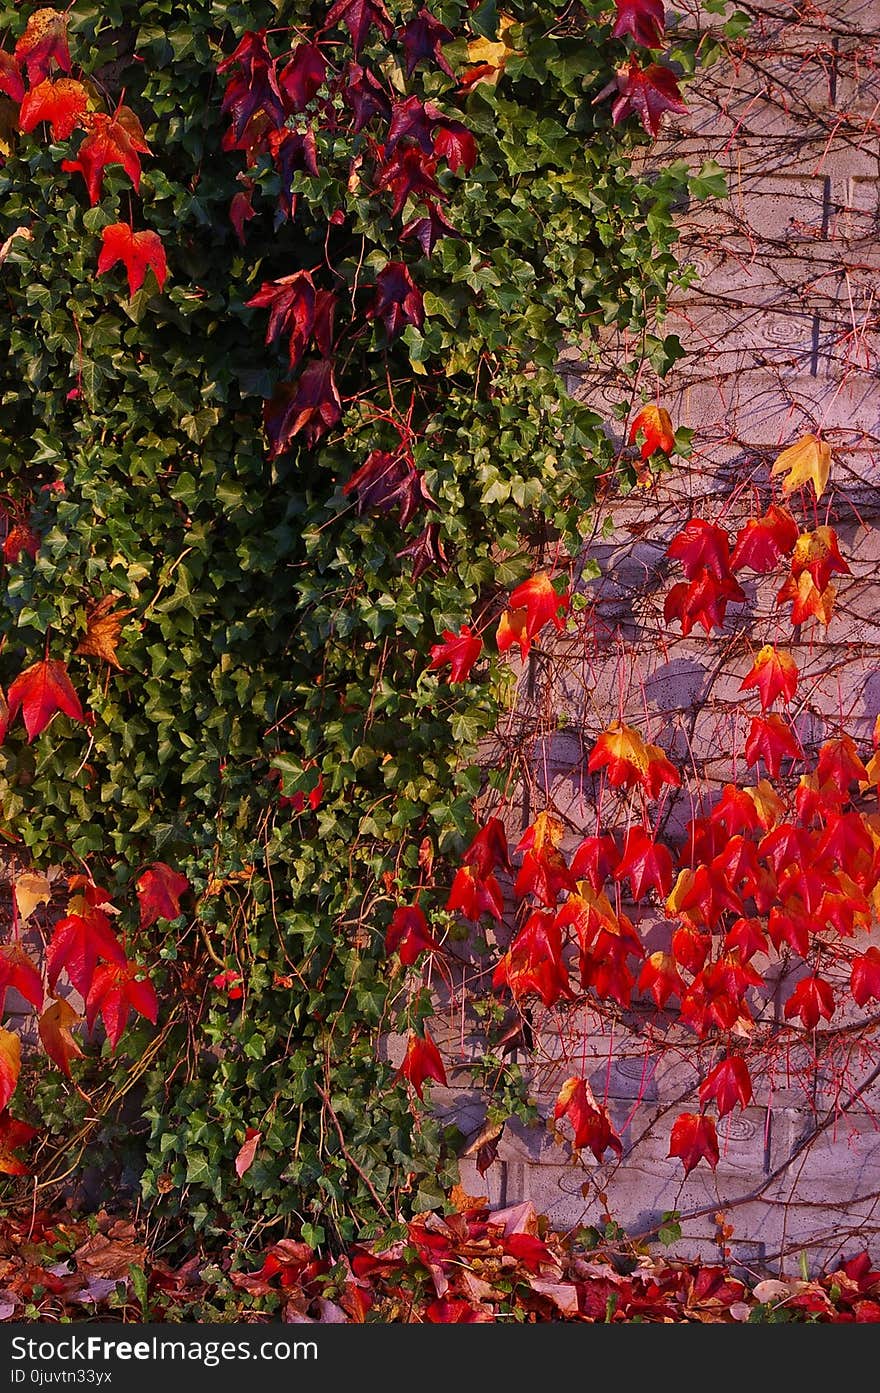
(365, 95)
(358, 17)
(117, 139)
(252, 93)
(408, 934)
(488, 848)
(309, 406)
(291, 305)
(865, 977)
(13, 1136)
(533, 962)
(241, 210)
(762, 541)
(818, 554)
(291, 152)
(747, 937)
(429, 228)
(116, 990)
(10, 1065)
(774, 673)
(20, 972)
(397, 300)
(63, 103)
(474, 895)
(410, 173)
(660, 978)
(811, 998)
(839, 763)
(728, 1084)
(413, 120)
(699, 546)
(387, 480)
(631, 761)
(454, 143)
(543, 873)
(694, 1138)
(11, 80)
(458, 651)
(703, 600)
(44, 44)
(300, 79)
(649, 92)
(808, 601)
(77, 942)
(595, 860)
(644, 20)
(591, 1123)
(532, 604)
(422, 38)
(647, 863)
(136, 250)
(159, 890)
(690, 947)
(422, 1061)
(40, 692)
(773, 741)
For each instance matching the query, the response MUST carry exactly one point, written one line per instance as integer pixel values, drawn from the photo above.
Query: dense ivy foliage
(272, 627)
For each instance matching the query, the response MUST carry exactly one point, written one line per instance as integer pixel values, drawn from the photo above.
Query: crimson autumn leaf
(77, 942)
(454, 143)
(359, 16)
(310, 405)
(747, 937)
(690, 947)
(488, 848)
(19, 971)
(694, 1138)
(386, 480)
(531, 605)
(11, 80)
(811, 998)
(865, 977)
(291, 305)
(116, 990)
(703, 600)
(774, 673)
(645, 20)
(735, 811)
(426, 550)
(543, 873)
(159, 890)
(422, 38)
(533, 961)
(595, 860)
(408, 934)
(701, 545)
(591, 1123)
(117, 139)
(728, 1084)
(409, 174)
(839, 763)
(62, 103)
(366, 96)
(43, 43)
(458, 650)
(253, 91)
(397, 301)
(300, 79)
(136, 250)
(649, 92)
(631, 761)
(422, 1061)
(41, 691)
(10, 1065)
(772, 740)
(291, 152)
(241, 210)
(20, 539)
(428, 229)
(646, 862)
(413, 120)
(655, 425)
(13, 1136)
(762, 541)
(474, 895)
(660, 978)
(55, 1032)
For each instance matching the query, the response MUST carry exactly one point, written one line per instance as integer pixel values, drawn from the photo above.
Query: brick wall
(780, 336)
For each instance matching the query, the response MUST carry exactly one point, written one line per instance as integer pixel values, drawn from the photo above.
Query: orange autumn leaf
(10, 1065)
(136, 250)
(807, 461)
(43, 43)
(655, 425)
(807, 600)
(55, 1032)
(13, 1135)
(103, 629)
(818, 553)
(62, 103)
(630, 760)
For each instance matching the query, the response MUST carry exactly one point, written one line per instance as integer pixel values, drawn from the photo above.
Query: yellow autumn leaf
(808, 460)
(491, 54)
(768, 805)
(31, 889)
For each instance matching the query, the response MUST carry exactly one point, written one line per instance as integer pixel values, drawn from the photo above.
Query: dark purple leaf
(310, 405)
(428, 230)
(426, 550)
(397, 301)
(303, 75)
(422, 37)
